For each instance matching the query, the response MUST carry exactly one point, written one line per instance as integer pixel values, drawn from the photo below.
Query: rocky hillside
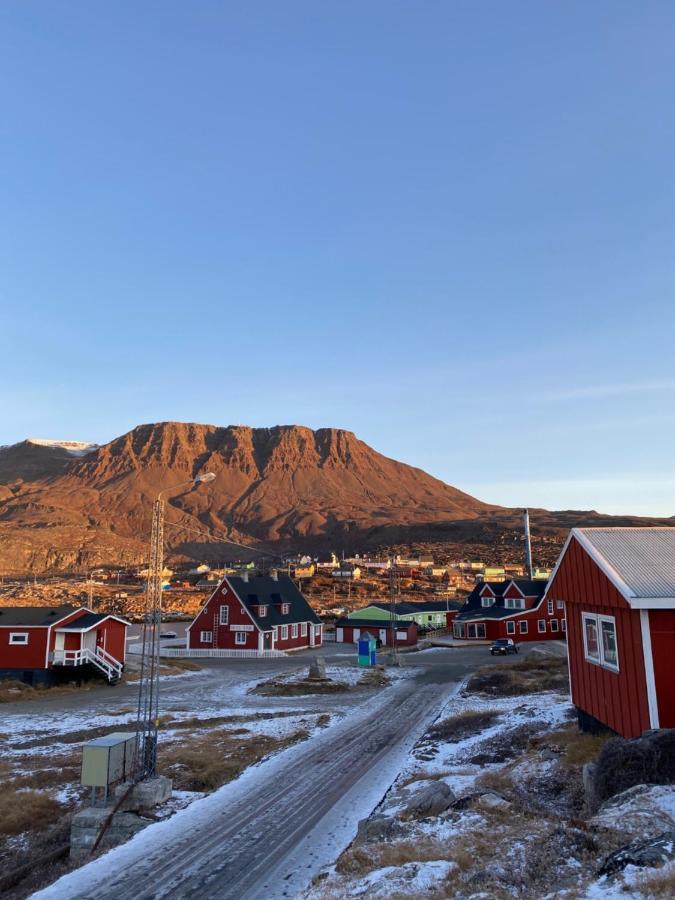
(288, 485)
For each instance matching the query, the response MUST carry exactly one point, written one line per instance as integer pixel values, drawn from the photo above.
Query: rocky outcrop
(621, 764)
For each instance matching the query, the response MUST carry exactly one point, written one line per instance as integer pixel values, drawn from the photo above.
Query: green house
(427, 614)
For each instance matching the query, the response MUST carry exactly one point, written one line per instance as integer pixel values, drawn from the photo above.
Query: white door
(340, 635)
(383, 636)
(357, 634)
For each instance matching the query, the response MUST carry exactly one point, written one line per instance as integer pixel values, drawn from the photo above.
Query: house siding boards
(616, 699)
(349, 630)
(662, 633)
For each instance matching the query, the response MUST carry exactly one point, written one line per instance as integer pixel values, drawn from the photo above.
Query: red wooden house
(349, 631)
(618, 586)
(38, 644)
(509, 609)
(253, 614)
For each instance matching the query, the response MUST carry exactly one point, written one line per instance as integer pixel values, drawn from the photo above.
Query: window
(590, 630)
(262, 611)
(303, 629)
(224, 615)
(541, 625)
(240, 637)
(458, 630)
(275, 632)
(206, 637)
(487, 601)
(514, 603)
(510, 627)
(18, 637)
(285, 609)
(560, 604)
(284, 632)
(554, 624)
(563, 622)
(522, 625)
(608, 648)
(317, 630)
(549, 607)
(294, 631)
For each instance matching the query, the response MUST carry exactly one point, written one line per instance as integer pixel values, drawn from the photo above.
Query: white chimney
(246, 575)
(275, 574)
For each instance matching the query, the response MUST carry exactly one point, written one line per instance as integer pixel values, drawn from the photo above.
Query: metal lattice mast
(148, 693)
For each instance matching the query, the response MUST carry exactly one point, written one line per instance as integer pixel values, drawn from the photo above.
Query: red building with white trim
(349, 631)
(255, 613)
(618, 586)
(510, 609)
(40, 645)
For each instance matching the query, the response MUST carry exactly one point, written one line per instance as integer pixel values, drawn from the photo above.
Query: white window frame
(284, 632)
(285, 609)
(511, 627)
(549, 607)
(541, 626)
(554, 625)
(514, 603)
(240, 637)
(275, 632)
(262, 611)
(18, 638)
(487, 602)
(522, 626)
(303, 629)
(294, 630)
(226, 620)
(599, 619)
(205, 637)
(317, 631)
(563, 623)
(592, 619)
(560, 604)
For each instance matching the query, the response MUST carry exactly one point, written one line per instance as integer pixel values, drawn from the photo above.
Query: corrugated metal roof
(643, 558)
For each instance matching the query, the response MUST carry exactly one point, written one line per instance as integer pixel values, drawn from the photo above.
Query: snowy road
(267, 833)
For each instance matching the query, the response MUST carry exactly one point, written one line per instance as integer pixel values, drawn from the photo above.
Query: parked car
(168, 634)
(503, 646)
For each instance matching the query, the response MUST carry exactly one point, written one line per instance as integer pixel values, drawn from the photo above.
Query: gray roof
(87, 621)
(642, 559)
(263, 590)
(34, 615)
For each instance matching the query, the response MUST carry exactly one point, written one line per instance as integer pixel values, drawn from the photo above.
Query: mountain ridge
(288, 485)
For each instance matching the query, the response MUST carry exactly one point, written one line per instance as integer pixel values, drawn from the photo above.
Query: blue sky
(446, 226)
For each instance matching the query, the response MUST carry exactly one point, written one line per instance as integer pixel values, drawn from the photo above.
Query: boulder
(377, 829)
(642, 853)
(429, 798)
(643, 811)
(317, 669)
(490, 800)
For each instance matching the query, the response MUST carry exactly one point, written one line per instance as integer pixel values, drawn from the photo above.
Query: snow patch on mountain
(75, 448)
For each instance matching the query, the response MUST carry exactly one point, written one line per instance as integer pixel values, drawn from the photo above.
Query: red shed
(254, 614)
(618, 586)
(350, 630)
(37, 643)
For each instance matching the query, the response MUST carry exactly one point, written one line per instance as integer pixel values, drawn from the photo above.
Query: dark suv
(503, 646)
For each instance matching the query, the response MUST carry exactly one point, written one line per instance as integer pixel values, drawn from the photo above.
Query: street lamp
(147, 719)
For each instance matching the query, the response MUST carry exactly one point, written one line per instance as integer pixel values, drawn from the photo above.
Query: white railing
(111, 667)
(223, 654)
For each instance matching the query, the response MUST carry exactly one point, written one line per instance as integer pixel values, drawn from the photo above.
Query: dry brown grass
(529, 676)
(26, 810)
(276, 688)
(577, 746)
(463, 725)
(211, 760)
(660, 886)
(11, 691)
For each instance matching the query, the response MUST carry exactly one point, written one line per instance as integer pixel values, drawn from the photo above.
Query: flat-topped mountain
(67, 503)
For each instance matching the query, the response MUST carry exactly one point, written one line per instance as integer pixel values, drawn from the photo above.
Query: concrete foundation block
(146, 794)
(87, 824)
